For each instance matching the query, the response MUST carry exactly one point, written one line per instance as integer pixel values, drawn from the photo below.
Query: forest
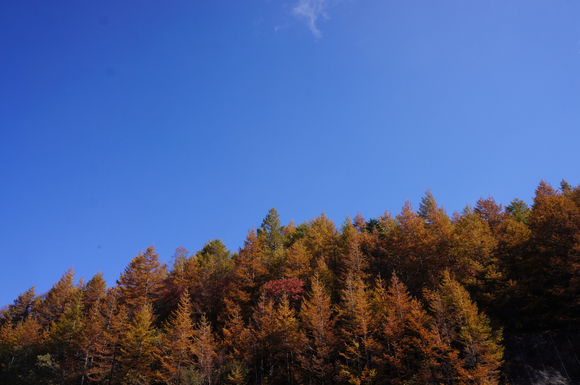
(420, 297)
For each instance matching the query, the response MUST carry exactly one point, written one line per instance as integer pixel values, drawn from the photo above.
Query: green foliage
(519, 209)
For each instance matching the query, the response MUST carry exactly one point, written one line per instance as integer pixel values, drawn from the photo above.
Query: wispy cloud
(310, 11)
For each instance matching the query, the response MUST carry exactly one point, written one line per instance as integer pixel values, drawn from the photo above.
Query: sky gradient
(126, 124)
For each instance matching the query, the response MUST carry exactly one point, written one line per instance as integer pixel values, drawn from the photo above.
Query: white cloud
(310, 11)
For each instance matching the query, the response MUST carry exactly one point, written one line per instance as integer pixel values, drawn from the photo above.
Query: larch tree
(237, 338)
(463, 347)
(57, 298)
(360, 345)
(203, 349)
(19, 346)
(249, 274)
(107, 365)
(139, 344)
(174, 352)
(24, 305)
(473, 253)
(298, 262)
(94, 291)
(65, 337)
(264, 335)
(318, 360)
(401, 325)
(290, 342)
(351, 242)
(140, 280)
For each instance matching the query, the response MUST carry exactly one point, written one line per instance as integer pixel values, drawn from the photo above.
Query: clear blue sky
(130, 123)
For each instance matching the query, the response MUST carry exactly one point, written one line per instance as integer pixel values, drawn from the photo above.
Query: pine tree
(427, 205)
(272, 234)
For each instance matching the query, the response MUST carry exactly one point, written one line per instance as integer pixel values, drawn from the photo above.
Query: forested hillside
(420, 297)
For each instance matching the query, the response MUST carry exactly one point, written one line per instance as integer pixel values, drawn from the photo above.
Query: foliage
(414, 298)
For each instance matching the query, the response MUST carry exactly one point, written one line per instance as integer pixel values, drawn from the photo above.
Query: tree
(26, 304)
(290, 340)
(264, 337)
(107, 365)
(554, 222)
(319, 353)
(463, 347)
(94, 291)
(427, 205)
(203, 349)
(174, 352)
(292, 288)
(65, 338)
(417, 251)
(490, 212)
(519, 209)
(138, 284)
(140, 342)
(473, 248)
(248, 275)
(357, 331)
(91, 339)
(57, 298)
(401, 328)
(298, 262)
(237, 338)
(352, 241)
(272, 233)
(19, 346)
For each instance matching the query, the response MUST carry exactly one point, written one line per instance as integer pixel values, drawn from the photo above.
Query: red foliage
(292, 287)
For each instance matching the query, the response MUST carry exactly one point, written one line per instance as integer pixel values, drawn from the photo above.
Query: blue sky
(130, 123)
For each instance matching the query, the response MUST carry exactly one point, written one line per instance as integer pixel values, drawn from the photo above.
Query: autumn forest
(419, 297)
